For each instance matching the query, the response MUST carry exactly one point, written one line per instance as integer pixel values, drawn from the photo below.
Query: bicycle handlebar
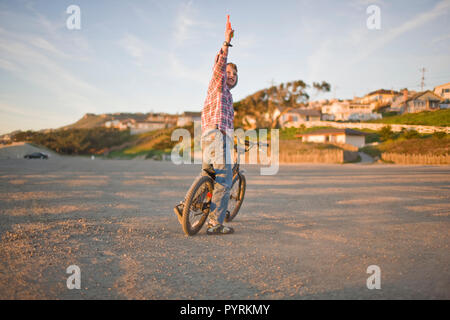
(249, 144)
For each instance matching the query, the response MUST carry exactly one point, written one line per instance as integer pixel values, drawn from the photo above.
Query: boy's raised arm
(221, 58)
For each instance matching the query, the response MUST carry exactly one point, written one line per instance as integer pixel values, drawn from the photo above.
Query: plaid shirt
(218, 107)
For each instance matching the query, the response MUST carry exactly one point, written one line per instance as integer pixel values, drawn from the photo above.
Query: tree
(262, 105)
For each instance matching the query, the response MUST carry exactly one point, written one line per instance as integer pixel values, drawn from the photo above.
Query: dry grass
(401, 158)
(292, 151)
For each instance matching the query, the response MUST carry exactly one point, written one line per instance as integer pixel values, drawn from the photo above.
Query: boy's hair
(233, 65)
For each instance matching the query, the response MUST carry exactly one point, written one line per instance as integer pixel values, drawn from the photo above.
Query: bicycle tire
(241, 192)
(190, 202)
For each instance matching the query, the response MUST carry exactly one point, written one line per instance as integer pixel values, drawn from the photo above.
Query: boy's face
(231, 76)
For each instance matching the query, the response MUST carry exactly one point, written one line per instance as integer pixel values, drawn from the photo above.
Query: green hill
(439, 118)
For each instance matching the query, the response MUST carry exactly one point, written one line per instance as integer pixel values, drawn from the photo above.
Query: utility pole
(422, 83)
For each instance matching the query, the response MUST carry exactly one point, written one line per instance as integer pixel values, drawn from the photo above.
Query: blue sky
(142, 56)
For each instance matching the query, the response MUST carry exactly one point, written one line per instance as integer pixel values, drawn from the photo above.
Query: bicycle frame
(236, 167)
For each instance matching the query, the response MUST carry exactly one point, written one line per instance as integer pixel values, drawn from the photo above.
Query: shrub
(386, 133)
(410, 134)
(439, 134)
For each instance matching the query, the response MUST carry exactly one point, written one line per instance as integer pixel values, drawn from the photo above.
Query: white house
(145, 126)
(381, 96)
(296, 117)
(348, 111)
(443, 91)
(335, 135)
(188, 117)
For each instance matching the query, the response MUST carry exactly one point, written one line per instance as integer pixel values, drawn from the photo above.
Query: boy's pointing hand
(229, 32)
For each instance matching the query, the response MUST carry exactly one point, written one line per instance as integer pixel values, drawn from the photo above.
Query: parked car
(36, 155)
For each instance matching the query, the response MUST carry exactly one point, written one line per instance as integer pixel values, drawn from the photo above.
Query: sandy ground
(309, 232)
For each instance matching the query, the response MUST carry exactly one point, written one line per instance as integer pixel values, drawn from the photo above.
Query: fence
(376, 126)
(400, 158)
(292, 151)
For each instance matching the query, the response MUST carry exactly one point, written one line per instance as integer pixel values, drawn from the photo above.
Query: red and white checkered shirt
(218, 107)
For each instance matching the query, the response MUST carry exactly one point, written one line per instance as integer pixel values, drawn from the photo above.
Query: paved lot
(309, 232)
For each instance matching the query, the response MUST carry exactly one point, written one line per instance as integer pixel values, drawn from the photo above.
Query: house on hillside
(188, 117)
(348, 111)
(381, 96)
(421, 101)
(399, 101)
(126, 124)
(146, 126)
(112, 124)
(155, 117)
(120, 124)
(5, 139)
(443, 91)
(296, 117)
(169, 119)
(335, 135)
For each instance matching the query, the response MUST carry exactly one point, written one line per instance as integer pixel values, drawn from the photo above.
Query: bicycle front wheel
(196, 205)
(237, 193)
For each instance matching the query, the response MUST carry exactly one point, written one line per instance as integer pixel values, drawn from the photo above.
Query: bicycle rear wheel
(237, 193)
(196, 205)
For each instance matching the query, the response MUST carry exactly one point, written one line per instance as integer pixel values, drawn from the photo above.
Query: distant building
(380, 96)
(120, 124)
(296, 117)
(443, 91)
(112, 124)
(397, 104)
(146, 126)
(422, 101)
(5, 139)
(188, 117)
(348, 111)
(335, 136)
(169, 119)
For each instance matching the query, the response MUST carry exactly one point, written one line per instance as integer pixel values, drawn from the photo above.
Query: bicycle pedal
(178, 209)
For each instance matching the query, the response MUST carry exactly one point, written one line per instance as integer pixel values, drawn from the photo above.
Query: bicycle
(194, 210)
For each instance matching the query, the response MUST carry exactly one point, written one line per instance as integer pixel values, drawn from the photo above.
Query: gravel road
(309, 232)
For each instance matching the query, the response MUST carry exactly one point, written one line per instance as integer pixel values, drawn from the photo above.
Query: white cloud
(189, 26)
(134, 46)
(343, 52)
(36, 59)
(8, 65)
(179, 70)
(441, 38)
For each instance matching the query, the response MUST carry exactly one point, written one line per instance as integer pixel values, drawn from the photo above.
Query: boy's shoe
(178, 209)
(219, 229)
